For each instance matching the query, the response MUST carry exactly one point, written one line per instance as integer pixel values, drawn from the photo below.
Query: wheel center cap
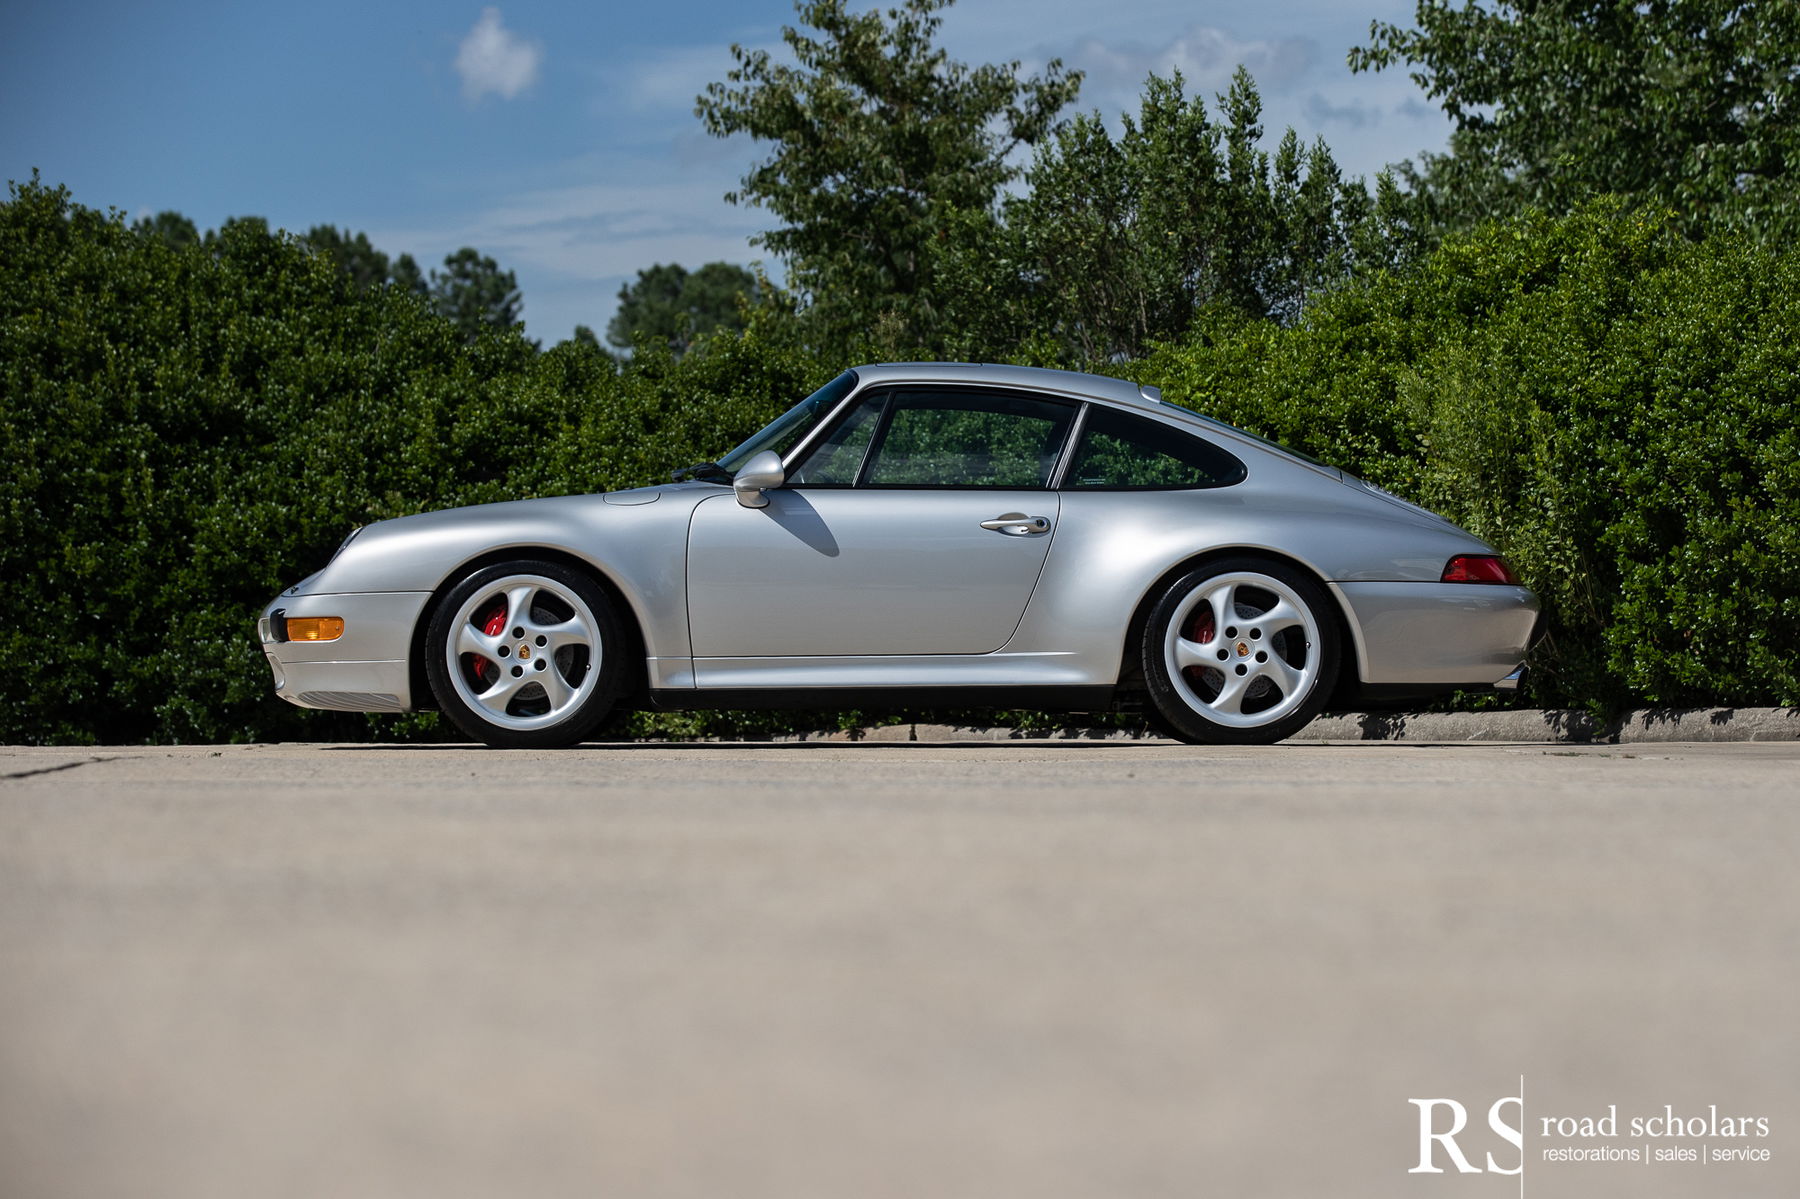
(1243, 649)
(525, 651)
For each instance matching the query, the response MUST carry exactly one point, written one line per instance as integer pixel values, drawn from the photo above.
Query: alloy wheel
(523, 652)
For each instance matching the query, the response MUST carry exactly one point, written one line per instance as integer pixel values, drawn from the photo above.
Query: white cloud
(1205, 56)
(492, 58)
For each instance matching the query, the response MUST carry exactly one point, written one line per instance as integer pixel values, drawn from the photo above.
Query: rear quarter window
(1122, 452)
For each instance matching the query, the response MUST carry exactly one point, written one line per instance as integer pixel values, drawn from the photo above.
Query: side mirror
(762, 473)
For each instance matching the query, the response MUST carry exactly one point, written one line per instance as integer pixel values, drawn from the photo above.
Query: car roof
(1037, 378)
(1144, 397)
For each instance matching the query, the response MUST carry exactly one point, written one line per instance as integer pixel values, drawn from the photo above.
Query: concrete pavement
(925, 969)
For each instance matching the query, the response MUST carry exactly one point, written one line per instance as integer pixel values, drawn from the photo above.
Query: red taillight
(1479, 568)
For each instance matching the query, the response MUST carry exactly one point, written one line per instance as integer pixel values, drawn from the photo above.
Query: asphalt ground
(922, 969)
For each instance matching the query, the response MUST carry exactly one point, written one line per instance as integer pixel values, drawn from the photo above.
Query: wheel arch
(636, 675)
(1131, 665)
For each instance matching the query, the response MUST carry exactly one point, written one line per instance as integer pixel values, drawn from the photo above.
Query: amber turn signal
(315, 628)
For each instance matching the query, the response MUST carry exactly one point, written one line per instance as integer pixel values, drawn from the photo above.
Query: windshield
(785, 431)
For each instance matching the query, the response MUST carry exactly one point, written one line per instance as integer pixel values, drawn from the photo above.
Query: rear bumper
(1439, 635)
(365, 670)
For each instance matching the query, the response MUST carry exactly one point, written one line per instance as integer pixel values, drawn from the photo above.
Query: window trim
(799, 448)
(1066, 459)
(804, 446)
(890, 395)
(828, 429)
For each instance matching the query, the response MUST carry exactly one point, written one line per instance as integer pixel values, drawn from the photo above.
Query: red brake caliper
(496, 621)
(1200, 630)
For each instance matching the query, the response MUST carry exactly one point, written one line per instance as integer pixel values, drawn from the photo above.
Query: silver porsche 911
(921, 535)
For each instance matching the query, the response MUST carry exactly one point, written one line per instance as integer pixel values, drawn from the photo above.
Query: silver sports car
(920, 534)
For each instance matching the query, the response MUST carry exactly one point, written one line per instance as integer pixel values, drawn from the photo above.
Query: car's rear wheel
(1240, 651)
(525, 655)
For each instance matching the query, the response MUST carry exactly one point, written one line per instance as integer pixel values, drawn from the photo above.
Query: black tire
(1237, 678)
(548, 673)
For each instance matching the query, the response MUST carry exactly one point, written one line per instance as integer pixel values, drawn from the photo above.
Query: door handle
(1017, 524)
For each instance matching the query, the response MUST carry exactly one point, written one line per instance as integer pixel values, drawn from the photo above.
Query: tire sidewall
(577, 724)
(1166, 696)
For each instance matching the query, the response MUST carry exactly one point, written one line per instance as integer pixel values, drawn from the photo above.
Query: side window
(1122, 452)
(837, 460)
(970, 439)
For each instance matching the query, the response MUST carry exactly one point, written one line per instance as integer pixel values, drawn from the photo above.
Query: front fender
(639, 546)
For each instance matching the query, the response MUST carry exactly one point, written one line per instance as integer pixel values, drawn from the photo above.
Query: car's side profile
(917, 534)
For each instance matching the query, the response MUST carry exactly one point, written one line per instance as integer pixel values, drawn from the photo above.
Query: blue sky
(559, 136)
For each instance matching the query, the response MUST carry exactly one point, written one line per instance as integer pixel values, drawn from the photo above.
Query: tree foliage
(471, 291)
(1117, 243)
(192, 429)
(475, 295)
(1693, 105)
(172, 227)
(366, 266)
(672, 306)
(876, 134)
(1609, 403)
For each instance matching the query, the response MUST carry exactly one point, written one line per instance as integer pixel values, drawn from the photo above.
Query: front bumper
(365, 670)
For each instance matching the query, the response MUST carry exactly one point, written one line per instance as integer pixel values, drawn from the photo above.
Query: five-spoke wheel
(524, 654)
(1241, 650)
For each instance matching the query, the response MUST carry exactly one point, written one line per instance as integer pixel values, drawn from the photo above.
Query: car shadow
(793, 513)
(716, 746)
(1057, 743)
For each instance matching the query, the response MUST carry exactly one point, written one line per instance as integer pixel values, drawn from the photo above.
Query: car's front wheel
(1241, 651)
(525, 655)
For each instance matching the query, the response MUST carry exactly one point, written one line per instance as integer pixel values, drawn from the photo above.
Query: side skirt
(1044, 699)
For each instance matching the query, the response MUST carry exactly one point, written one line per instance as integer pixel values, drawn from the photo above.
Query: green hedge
(190, 430)
(1610, 404)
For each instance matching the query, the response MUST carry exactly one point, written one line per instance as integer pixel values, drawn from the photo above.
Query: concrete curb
(1530, 727)
(1563, 726)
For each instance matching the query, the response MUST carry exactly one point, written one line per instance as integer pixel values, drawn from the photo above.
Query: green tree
(475, 295)
(407, 276)
(216, 241)
(584, 344)
(1693, 105)
(172, 227)
(877, 135)
(366, 266)
(1119, 242)
(672, 305)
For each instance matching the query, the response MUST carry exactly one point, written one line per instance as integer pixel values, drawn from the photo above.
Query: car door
(918, 525)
